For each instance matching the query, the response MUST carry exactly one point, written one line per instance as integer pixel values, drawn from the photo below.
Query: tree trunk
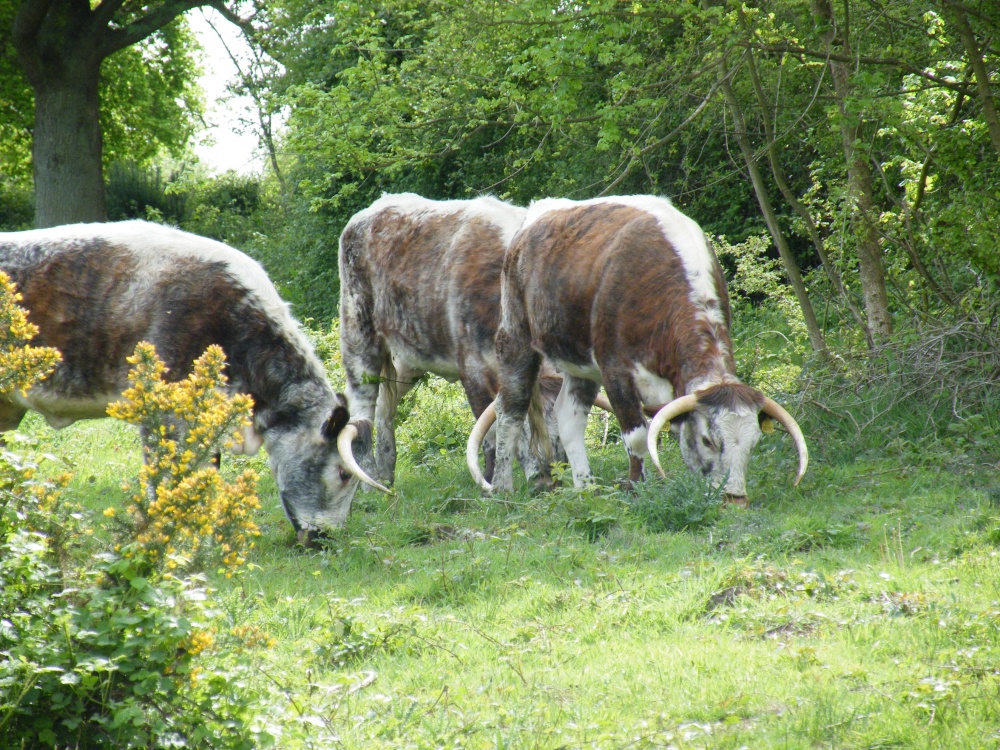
(871, 269)
(764, 201)
(789, 195)
(957, 14)
(69, 180)
(60, 45)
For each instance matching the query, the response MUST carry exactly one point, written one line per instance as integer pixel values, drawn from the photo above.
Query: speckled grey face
(717, 444)
(316, 484)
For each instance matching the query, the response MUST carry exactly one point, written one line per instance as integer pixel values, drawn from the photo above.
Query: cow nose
(740, 501)
(309, 537)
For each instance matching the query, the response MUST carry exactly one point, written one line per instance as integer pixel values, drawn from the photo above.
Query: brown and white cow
(95, 290)
(419, 293)
(625, 292)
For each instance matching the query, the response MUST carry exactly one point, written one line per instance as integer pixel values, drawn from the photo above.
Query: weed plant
(683, 502)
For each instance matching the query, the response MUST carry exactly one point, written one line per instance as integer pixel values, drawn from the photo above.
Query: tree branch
(901, 64)
(29, 19)
(102, 15)
(24, 34)
(234, 18)
(672, 135)
(978, 65)
(117, 39)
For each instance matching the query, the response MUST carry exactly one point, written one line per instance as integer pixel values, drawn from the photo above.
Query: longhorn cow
(95, 290)
(419, 293)
(625, 292)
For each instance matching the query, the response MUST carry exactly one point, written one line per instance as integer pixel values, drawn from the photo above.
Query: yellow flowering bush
(27, 499)
(251, 636)
(21, 366)
(182, 508)
(95, 651)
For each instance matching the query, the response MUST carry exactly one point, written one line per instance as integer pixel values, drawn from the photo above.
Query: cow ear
(335, 423)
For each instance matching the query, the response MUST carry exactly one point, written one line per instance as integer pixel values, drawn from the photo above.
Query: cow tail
(540, 444)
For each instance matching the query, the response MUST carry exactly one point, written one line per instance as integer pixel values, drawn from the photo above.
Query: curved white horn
(773, 409)
(476, 437)
(344, 440)
(601, 402)
(674, 409)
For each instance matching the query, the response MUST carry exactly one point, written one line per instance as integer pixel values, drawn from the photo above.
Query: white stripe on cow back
(505, 216)
(155, 244)
(682, 232)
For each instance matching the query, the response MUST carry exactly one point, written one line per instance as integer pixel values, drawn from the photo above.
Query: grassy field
(859, 610)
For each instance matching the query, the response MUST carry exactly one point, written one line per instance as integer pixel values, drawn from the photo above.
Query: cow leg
(572, 409)
(627, 405)
(364, 371)
(479, 391)
(363, 354)
(518, 370)
(395, 385)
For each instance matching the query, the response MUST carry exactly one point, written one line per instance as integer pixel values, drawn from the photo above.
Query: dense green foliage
(526, 100)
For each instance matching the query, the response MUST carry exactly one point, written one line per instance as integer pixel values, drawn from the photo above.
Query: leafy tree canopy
(150, 101)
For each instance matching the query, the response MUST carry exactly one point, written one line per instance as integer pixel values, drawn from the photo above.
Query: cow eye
(707, 442)
(345, 475)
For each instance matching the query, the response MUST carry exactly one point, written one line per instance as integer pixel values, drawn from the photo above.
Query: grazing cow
(420, 292)
(96, 290)
(625, 292)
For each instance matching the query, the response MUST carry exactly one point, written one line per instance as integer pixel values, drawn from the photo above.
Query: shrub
(137, 193)
(686, 501)
(928, 395)
(182, 509)
(98, 649)
(17, 206)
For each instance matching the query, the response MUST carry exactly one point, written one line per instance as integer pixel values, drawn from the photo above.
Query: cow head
(316, 472)
(719, 427)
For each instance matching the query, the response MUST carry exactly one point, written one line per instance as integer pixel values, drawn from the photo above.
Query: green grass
(859, 610)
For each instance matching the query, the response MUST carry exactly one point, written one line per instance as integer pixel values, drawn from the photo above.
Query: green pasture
(859, 610)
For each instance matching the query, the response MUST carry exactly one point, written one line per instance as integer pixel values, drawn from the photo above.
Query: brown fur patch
(731, 396)
(79, 301)
(603, 278)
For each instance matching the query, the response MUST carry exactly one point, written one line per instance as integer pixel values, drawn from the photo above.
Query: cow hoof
(737, 501)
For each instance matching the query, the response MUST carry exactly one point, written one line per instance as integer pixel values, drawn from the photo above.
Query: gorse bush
(182, 508)
(21, 365)
(100, 649)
